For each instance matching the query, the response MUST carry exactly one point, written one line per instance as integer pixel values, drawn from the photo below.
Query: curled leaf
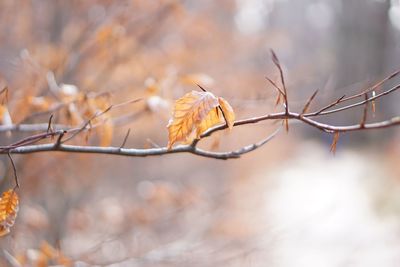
(227, 111)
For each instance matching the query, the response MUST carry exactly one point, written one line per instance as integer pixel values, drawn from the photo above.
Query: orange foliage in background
(127, 74)
(9, 205)
(75, 60)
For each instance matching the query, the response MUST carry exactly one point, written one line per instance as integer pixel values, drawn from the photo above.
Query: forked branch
(29, 144)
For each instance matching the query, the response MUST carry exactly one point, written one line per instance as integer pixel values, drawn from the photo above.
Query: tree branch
(28, 144)
(134, 152)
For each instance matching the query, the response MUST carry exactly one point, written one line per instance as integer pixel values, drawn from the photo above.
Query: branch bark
(29, 144)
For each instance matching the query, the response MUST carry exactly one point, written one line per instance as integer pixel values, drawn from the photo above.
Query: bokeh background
(289, 203)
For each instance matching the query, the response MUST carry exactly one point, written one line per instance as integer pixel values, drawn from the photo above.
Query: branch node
(59, 139)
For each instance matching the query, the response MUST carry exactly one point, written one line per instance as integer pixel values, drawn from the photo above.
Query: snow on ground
(322, 211)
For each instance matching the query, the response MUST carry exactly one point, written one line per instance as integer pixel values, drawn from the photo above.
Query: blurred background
(289, 203)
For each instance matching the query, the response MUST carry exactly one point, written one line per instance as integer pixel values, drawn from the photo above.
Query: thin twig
(27, 145)
(374, 87)
(319, 112)
(343, 99)
(278, 65)
(275, 86)
(14, 169)
(88, 123)
(125, 103)
(365, 113)
(324, 111)
(59, 139)
(133, 152)
(307, 105)
(49, 127)
(201, 87)
(125, 138)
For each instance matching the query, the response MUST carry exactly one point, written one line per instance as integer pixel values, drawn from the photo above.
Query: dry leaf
(105, 132)
(189, 113)
(278, 99)
(5, 117)
(40, 103)
(73, 115)
(212, 119)
(229, 115)
(8, 211)
(196, 112)
(334, 142)
(307, 105)
(93, 107)
(45, 256)
(286, 123)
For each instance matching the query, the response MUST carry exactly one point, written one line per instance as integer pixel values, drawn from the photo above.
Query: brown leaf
(334, 142)
(5, 117)
(95, 109)
(40, 103)
(278, 99)
(212, 119)
(227, 111)
(286, 123)
(307, 105)
(105, 132)
(194, 113)
(189, 112)
(8, 211)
